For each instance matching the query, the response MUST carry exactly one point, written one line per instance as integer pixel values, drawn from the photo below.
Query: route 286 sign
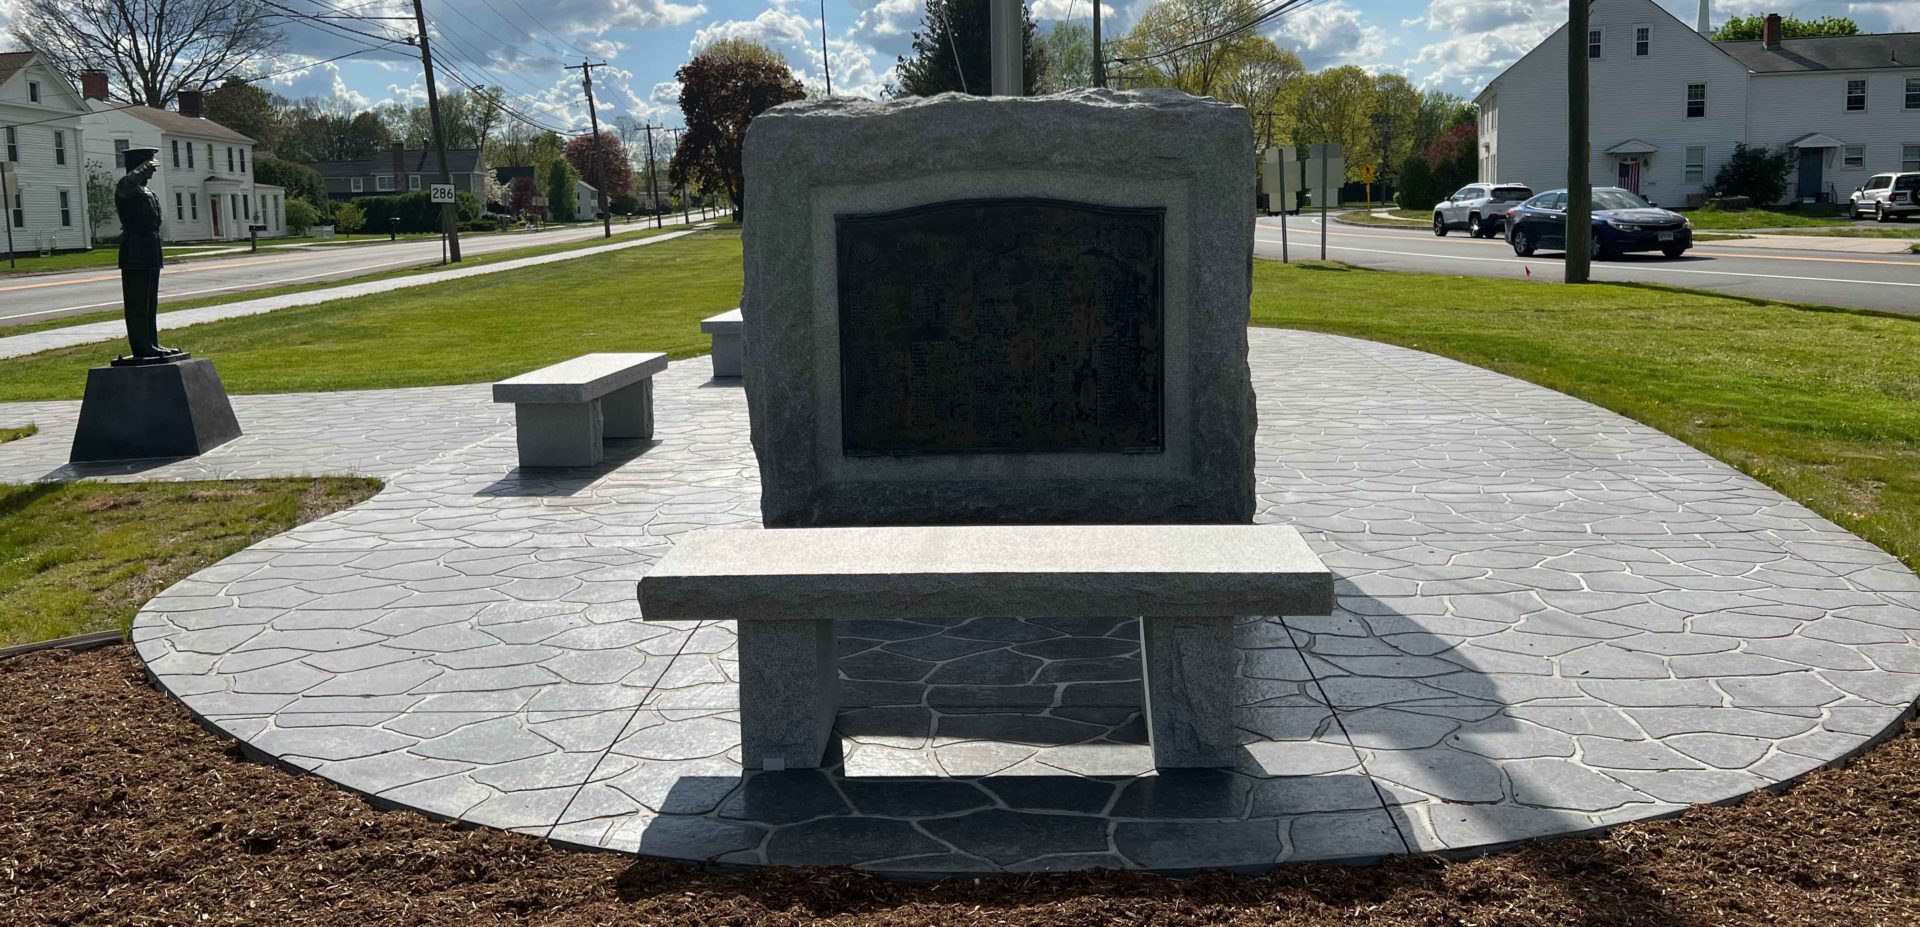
(439, 193)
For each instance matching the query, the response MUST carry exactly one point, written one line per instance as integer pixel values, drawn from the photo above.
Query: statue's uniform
(140, 262)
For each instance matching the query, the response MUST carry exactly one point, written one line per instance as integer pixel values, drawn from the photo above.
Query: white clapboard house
(43, 180)
(1669, 104)
(205, 179)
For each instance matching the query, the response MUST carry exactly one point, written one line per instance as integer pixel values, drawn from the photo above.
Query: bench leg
(789, 692)
(726, 355)
(1189, 685)
(558, 434)
(629, 411)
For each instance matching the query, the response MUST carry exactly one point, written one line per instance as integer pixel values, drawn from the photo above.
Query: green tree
(99, 194)
(349, 218)
(1754, 172)
(1396, 117)
(1753, 28)
(952, 51)
(301, 216)
(1068, 53)
(1439, 110)
(246, 109)
(563, 200)
(299, 180)
(1173, 45)
(1265, 79)
(1337, 105)
(721, 90)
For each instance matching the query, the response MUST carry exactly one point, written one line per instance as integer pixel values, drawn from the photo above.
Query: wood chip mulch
(116, 808)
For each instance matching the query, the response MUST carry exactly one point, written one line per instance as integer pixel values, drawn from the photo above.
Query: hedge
(416, 214)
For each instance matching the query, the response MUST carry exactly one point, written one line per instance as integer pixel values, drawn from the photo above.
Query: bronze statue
(141, 257)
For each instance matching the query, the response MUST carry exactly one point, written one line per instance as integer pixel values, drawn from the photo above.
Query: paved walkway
(89, 333)
(1550, 620)
(1765, 241)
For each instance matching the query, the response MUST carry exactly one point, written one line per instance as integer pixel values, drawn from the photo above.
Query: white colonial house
(43, 180)
(1668, 105)
(205, 178)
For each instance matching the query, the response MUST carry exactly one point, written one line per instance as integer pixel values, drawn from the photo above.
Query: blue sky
(1454, 45)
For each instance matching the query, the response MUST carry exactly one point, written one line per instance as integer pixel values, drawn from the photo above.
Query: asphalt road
(39, 297)
(1889, 282)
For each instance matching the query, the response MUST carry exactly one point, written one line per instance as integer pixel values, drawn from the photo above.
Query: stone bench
(563, 413)
(1187, 583)
(725, 329)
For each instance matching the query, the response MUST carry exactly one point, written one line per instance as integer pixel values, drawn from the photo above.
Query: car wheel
(1523, 243)
(1880, 213)
(1595, 250)
(1439, 226)
(1673, 252)
(1474, 228)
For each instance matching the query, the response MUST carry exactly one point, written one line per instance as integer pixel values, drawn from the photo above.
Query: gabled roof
(1634, 146)
(170, 121)
(1829, 53)
(416, 161)
(1816, 140)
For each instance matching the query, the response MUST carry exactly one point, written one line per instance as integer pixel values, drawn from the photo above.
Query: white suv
(1480, 208)
(1885, 196)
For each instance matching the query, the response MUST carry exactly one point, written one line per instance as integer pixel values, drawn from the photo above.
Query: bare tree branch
(156, 48)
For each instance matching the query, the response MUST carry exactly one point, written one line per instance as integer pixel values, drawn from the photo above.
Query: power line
(1273, 9)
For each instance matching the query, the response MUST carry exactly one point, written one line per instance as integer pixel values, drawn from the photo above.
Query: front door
(1630, 175)
(213, 209)
(1811, 160)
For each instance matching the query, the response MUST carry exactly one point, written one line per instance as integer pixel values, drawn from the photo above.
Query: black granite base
(173, 409)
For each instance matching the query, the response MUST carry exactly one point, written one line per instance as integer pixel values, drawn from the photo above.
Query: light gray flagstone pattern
(1549, 620)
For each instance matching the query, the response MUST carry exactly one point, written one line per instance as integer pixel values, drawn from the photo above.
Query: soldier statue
(140, 258)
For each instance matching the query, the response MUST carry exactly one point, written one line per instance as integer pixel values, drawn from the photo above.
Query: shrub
(301, 181)
(349, 218)
(414, 211)
(301, 216)
(1754, 172)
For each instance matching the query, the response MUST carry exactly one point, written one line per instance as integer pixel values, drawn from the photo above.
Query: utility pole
(599, 155)
(1099, 66)
(1579, 229)
(826, 67)
(447, 224)
(686, 217)
(653, 190)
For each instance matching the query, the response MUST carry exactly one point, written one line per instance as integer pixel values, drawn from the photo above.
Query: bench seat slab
(789, 693)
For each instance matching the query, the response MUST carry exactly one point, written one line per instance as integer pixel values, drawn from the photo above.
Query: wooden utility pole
(599, 153)
(1099, 66)
(1579, 230)
(653, 189)
(1007, 30)
(826, 67)
(448, 224)
(686, 216)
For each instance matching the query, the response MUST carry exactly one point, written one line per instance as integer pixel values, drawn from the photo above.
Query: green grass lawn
(511, 254)
(1404, 218)
(97, 257)
(1711, 218)
(15, 434)
(490, 327)
(1822, 405)
(80, 557)
(1883, 231)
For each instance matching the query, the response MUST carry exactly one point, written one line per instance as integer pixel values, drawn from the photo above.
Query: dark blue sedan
(1622, 222)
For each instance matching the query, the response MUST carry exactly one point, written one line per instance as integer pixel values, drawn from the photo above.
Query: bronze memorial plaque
(1001, 326)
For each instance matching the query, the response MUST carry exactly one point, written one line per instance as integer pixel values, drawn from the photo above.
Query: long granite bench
(785, 587)
(562, 414)
(725, 329)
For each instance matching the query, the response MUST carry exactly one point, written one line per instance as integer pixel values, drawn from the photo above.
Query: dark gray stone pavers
(1550, 620)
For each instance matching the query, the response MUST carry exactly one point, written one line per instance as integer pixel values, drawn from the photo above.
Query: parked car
(1622, 222)
(1480, 208)
(1886, 196)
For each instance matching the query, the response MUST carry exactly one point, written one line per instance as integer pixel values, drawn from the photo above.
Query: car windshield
(1511, 193)
(1617, 199)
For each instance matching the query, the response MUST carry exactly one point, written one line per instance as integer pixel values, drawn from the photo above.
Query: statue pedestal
(173, 407)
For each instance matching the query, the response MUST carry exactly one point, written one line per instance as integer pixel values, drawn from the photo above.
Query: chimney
(1771, 36)
(1705, 25)
(399, 164)
(190, 104)
(93, 84)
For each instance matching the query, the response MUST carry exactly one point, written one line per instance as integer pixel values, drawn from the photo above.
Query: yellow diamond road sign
(1368, 173)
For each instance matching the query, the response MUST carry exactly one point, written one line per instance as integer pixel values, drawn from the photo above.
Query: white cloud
(889, 18)
(1331, 34)
(1460, 16)
(773, 28)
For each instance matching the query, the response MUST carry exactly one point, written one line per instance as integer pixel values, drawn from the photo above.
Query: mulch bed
(116, 808)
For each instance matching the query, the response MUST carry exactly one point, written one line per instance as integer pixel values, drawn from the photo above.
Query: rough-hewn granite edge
(1141, 136)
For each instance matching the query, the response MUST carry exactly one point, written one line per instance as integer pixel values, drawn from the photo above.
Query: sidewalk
(35, 342)
(1809, 242)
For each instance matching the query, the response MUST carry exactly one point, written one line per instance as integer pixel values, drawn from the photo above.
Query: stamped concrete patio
(1550, 620)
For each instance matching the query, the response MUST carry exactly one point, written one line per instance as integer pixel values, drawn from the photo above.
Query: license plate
(1666, 236)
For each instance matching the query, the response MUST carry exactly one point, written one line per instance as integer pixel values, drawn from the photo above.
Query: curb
(77, 643)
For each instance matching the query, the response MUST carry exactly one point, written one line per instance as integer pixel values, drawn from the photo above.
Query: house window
(1854, 156)
(193, 205)
(359, 185)
(413, 181)
(66, 209)
(59, 147)
(120, 146)
(1910, 158)
(1913, 93)
(1696, 100)
(229, 159)
(209, 156)
(1696, 163)
(33, 92)
(243, 160)
(1642, 41)
(175, 145)
(1593, 43)
(189, 154)
(13, 146)
(1856, 96)
(383, 182)
(179, 206)
(19, 211)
